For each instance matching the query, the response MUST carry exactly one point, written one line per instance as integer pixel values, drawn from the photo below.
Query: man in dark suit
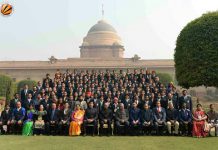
(185, 120)
(134, 118)
(147, 119)
(14, 101)
(24, 93)
(46, 102)
(172, 119)
(122, 117)
(29, 101)
(5, 119)
(90, 118)
(52, 120)
(65, 116)
(105, 117)
(159, 118)
(18, 116)
(185, 98)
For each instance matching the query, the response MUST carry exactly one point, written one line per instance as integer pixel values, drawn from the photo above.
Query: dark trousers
(16, 128)
(159, 127)
(186, 128)
(90, 124)
(51, 128)
(119, 128)
(147, 128)
(63, 128)
(108, 128)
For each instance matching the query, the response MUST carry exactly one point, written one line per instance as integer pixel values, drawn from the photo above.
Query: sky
(38, 29)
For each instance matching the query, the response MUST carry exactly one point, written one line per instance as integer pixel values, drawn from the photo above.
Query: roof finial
(102, 11)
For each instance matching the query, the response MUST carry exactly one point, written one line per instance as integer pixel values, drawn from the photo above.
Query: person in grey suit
(159, 114)
(122, 117)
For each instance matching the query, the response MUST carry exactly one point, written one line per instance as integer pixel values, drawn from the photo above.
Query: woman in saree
(76, 121)
(28, 124)
(199, 120)
(39, 125)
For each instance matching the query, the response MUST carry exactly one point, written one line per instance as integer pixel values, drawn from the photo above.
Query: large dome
(102, 33)
(102, 25)
(102, 41)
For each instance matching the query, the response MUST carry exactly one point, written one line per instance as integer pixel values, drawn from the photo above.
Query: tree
(165, 78)
(6, 87)
(196, 52)
(21, 84)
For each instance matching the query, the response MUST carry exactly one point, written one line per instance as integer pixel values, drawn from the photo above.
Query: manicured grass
(106, 143)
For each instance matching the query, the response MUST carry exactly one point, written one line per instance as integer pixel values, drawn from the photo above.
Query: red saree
(198, 125)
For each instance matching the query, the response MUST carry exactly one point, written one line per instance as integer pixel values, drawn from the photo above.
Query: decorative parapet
(135, 58)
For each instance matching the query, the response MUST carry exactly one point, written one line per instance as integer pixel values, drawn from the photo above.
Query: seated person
(134, 117)
(28, 123)
(76, 121)
(122, 117)
(5, 120)
(64, 123)
(39, 120)
(105, 117)
(90, 118)
(172, 119)
(159, 115)
(18, 116)
(185, 120)
(53, 119)
(147, 119)
(213, 118)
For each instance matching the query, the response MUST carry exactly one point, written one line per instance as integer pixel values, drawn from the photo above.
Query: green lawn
(104, 143)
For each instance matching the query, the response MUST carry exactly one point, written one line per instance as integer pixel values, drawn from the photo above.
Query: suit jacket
(65, 116)
(46, 103)
(6, 116)
(146, 115)
(56, 116)
(185, 115)
(18, 114)
(27, 104)
(106, 114)
(188, 100)
(91, 113)
(23, 94)
(134, 114)
(159, 115)
(122, 115)
(13, 103)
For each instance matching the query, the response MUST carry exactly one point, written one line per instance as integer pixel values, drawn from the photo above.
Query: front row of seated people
(54, 121)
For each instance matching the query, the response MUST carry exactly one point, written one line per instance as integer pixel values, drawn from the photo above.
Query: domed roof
(102, 25)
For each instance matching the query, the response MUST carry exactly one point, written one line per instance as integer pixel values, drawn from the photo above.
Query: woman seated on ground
(199, 120)
(77, 120)
(39, 125)
(28, 124)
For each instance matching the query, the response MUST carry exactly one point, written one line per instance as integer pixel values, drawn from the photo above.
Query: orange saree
(77, 120)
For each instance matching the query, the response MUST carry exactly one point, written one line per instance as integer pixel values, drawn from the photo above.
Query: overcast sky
(40, 28)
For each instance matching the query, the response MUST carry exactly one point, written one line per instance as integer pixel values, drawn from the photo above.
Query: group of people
(105, 103)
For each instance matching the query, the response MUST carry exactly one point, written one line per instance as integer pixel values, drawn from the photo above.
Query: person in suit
(64, 123)
(173, 100)
(172, 119)
(159, 114)
(213, 118)
(18, 116)
(24, 94)
(6, 117)
(127, 102)
(185, 98)
(90, 118)
(53, 119)
(134, 118)
(46, 102)
(185, 120)
(14, 101)
(29, 101)
(147, 119)
(105, 117)
(122, 117)
(100, 104)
